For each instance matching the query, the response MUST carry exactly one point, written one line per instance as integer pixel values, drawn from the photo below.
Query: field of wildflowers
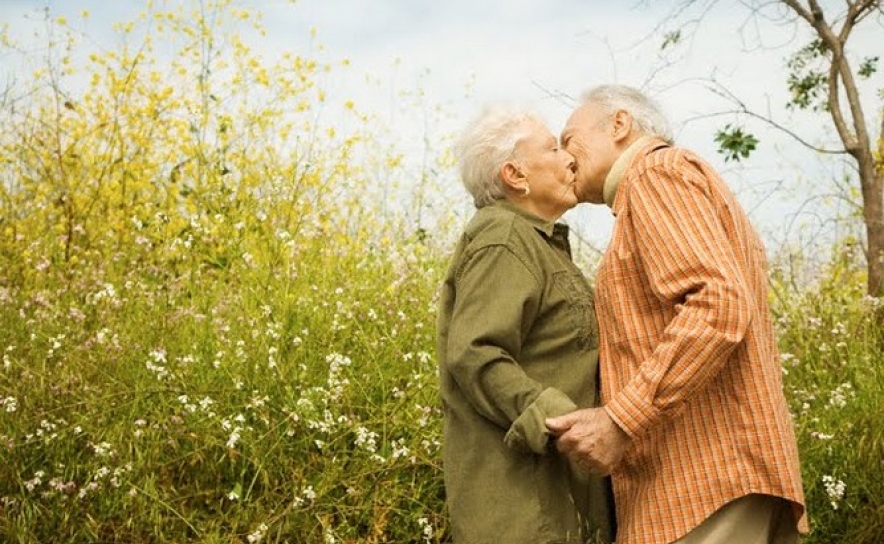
(209, 333)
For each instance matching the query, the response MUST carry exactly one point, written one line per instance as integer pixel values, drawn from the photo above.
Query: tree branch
(723, 92)
(799, 9)
(863, 9)
(835, 105)
(816, 13)
(772, 124)
(839, 74)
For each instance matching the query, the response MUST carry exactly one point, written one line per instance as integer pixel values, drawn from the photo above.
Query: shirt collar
(548, 228)
(612, 181)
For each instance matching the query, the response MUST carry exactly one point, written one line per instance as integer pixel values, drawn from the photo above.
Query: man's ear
(512, 176)
(622, 125)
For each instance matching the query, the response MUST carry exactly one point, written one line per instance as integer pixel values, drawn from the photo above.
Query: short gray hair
(646, 113)
(487, 143)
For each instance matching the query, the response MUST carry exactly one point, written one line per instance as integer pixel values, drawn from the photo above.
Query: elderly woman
(517, 343)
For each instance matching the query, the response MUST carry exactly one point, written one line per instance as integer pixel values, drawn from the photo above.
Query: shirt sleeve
(691, 266)
(497, 300)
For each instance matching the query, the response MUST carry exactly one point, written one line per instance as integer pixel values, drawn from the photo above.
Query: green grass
(214, 406)
(831, 339)
(220, 405)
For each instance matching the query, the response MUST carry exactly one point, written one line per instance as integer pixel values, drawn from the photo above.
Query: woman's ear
(513, 177)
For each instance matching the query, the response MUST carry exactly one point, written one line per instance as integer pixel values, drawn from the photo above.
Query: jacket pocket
(580, 307)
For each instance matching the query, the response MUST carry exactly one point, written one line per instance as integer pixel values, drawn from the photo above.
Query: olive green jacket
(517, 343)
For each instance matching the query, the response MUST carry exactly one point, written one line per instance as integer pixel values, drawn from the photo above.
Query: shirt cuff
(529, 433)
(631, 412)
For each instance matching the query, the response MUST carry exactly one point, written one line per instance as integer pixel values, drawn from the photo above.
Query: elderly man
(695, 429)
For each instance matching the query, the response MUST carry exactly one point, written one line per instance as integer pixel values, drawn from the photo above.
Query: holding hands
(590, 439)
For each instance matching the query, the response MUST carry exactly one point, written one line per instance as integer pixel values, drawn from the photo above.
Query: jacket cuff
(528, 433)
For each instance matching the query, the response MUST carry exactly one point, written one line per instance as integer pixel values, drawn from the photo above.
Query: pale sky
(464, 54)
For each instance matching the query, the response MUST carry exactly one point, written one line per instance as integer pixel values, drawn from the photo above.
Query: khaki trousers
(753, 519)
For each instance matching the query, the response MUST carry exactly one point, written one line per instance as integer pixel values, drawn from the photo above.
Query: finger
(571, 444)
(560, 424)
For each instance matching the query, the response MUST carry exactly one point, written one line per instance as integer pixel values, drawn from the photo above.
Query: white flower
(834, 489)
(258, 534)
(838, 397)
(9, 403)
(35, 481)
(103, 449)
(366, 439)
(234, 438)
(426, 529)
(399, 448)
(308, 493)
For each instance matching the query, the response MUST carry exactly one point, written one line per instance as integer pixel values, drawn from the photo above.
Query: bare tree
(822, 78)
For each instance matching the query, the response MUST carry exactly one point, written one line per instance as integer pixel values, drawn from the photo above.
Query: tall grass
(831, 342)
(210, 334)
(222, 407)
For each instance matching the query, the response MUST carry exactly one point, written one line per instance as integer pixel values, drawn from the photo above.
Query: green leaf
(868, 67)
(807, 77)
(671, 39)
(735, 144)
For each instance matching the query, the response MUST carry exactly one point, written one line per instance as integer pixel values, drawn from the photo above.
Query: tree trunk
(850, 123)
(873, 215)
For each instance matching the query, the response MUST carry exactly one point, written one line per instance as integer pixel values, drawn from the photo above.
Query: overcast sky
(464, 54)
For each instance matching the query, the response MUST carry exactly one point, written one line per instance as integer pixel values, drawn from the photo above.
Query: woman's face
(549, 170)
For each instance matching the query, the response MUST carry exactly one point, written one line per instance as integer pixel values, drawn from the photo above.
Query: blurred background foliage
(217, 309)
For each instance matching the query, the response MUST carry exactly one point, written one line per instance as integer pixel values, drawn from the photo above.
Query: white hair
(646, 113)
(488, 142)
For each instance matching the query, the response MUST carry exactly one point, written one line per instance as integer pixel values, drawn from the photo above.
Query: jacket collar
(548, 228)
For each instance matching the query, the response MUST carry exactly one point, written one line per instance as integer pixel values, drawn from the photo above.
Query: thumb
(561, 423)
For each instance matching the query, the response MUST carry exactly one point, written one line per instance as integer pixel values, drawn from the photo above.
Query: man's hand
(590, 439)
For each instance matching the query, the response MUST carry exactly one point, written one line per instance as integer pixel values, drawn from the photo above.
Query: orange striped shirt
(690, 368)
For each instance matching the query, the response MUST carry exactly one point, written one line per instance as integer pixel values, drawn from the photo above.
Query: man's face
(588, 136)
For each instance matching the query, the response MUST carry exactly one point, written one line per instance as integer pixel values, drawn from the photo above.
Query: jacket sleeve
(690, 265)
(497, 300)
